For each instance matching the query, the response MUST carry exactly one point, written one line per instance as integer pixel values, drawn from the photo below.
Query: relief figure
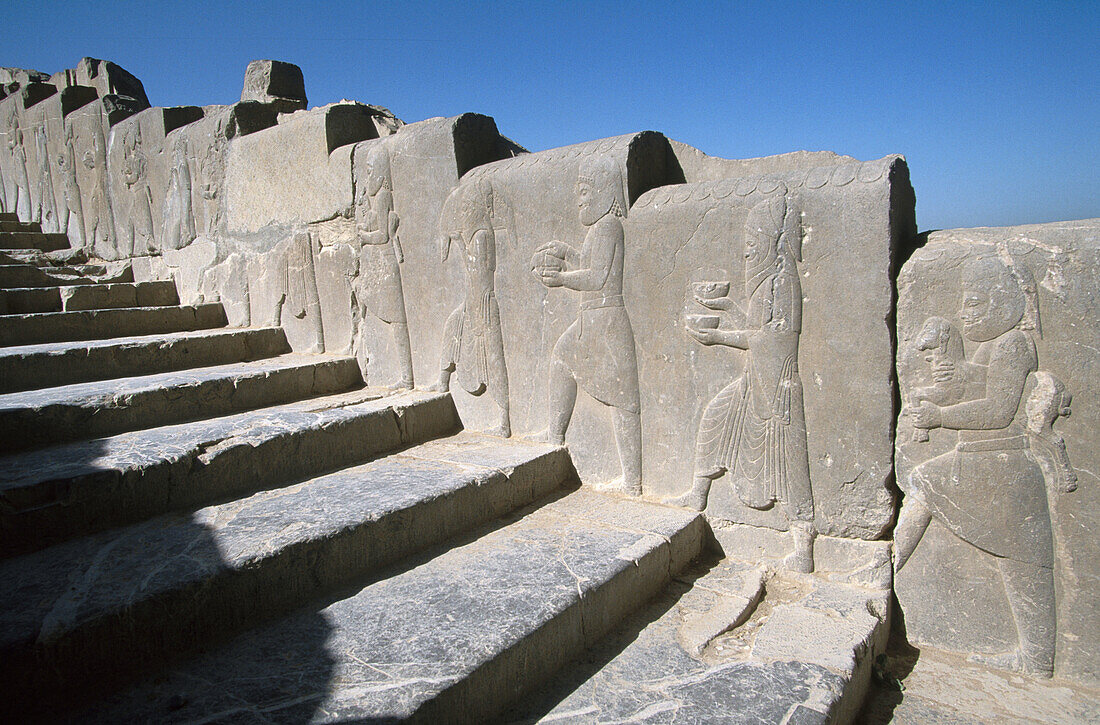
(596, 351)
(179, 221)
(22, 201)
(138, 235)
(472, 340)
(990, 489)
(212, 176)
(378, 286)
(73, 213)
(46, 206)
(754, 429)
(99, 222)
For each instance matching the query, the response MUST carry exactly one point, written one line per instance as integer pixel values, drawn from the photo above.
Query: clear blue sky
(996, 105)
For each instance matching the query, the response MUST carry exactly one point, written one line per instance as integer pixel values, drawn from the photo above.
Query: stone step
(247, 560)
(14, 225)
(26, 300)
(8, 216)
(124, 294)
(454, 639)
(34, 418)
(38, 328)
(732, 643)
(32, 275)
(64, 363)
(46, 260)
(33, 240)
(58, 493)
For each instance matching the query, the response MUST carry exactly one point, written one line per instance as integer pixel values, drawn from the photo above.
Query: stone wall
(717, 333)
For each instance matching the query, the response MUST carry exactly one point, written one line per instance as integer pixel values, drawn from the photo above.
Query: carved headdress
(603, 175)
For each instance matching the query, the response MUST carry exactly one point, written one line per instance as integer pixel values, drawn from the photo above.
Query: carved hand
(705, 336)
(943, 370)
(551, 277)
(927, 416)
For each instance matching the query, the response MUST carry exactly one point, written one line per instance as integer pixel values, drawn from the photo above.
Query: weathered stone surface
(110, 79)
(848, 221)
(275, 82)
(101, 324)
(996, 542)
(465, 632)
(245, 557)
(125, 294)
(800, 654)
(101, 408)
(65, 363)
(946, 689)
(66, 491)
(289, 175)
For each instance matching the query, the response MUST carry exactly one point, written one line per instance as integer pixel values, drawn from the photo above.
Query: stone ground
(947, 689)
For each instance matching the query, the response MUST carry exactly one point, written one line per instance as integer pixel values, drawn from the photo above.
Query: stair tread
(121, 567)
(114, 392)
(59, 348)
(405, 646)
(791, 661)
(53, 494)
(42, 327)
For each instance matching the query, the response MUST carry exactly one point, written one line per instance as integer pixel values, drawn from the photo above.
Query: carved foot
(404, 384)
(440, 386)
(1013, 661)
(694, 500)
(500, 431)
(801, 560)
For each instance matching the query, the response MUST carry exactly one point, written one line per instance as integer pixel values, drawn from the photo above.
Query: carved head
(600, 190)
(378, 170)
(1049, 401)
(992, 301)
(476, 205)
(763, 227)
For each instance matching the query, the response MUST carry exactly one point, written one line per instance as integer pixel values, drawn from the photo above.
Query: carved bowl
(545, 262)
(711, 290)
(702, 322)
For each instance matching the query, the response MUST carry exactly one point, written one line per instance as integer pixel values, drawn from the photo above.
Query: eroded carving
(990, 489)
(212, 177)
(73, 213)
(179, 219)
(378, 286)
(45, 210)
(597, 350)
(472, 340)
(19, 161)
(100, 225)
(137, 235)
(754, 430)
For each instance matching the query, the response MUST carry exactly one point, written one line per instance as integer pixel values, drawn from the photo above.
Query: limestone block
(275, 82)
(520, 213)
(188, 266)
(996, 540)
(138, 173)
(763, 309)
(289, 174)
(698, 166)
(399, 274)
(109, 79)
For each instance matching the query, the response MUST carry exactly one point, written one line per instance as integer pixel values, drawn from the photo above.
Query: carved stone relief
(377, 287)
(136, 236)
(473, 343)
(73, 221)
(596, 352)
(21, 179)
(45, 210)
(179, 219)
(995, 538)
(754, 429)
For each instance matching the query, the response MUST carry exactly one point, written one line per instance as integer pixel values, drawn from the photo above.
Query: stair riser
(30, 300)
(113, 296)
(103, 324)
(64, 509)
(18, 226)
(27, 275)
(159, 630)
(25, 239)
(519, 670)
(85, 364)
(35, 427)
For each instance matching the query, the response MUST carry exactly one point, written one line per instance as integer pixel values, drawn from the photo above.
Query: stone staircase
(198, 524)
